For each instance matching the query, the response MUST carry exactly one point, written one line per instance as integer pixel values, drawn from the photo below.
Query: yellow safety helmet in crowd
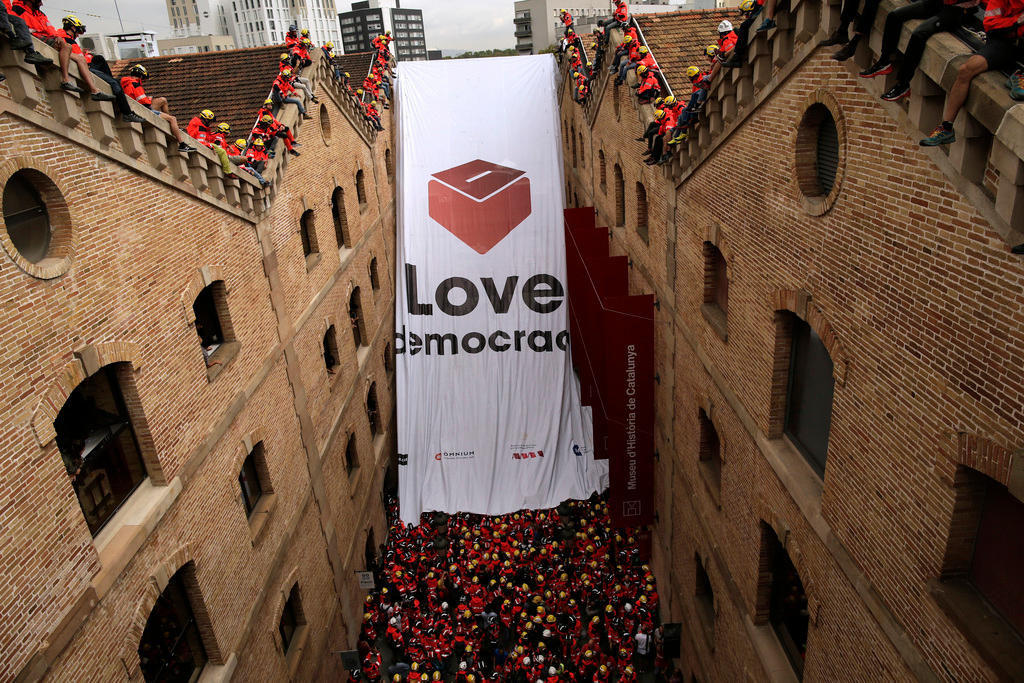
(307, 41)
(330, 45)
(658, 102)
(627, 39)
(304, 32)
(359, 92)
(670, 100)
(711, 50)
(643, 50)
(748, 6)
(73, 21)
(224, 127)
(640, 71)
(286, 72)
(659, 114)
(269, 102)
(346, 74)
(139, 70)
(692, 72)
(266, 118)
(583, 88)
(207, 115)
(258, 143)
(240, 143)
(285, 57)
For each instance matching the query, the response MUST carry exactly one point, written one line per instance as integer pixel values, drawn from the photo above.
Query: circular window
(819, 157)
(37, 224)
(325, 124)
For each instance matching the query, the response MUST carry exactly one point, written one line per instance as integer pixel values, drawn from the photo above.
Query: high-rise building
(253, 23)
(370, 18)
(198, 17)
(539, 26)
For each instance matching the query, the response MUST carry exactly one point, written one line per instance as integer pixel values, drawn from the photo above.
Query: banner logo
(479, 202)
(454, 455)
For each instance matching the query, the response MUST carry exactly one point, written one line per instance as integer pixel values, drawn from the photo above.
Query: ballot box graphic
(479, 202)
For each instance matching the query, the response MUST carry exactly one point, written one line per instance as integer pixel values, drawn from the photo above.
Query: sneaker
(845, 52)
(71, 87)
(307, 117)
(896, 92)
(131, 117)
(640, 139)
(294, 152)
(185, 147)
(665, 158)
(315, 100)
(766, 25)
(939, 136)
(837, 38)
(296, 144)
(36, 58)
(877, 69)
(1016, 85)
(102, 97)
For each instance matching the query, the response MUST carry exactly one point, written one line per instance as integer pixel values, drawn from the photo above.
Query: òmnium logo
(454, 455)
(479, 202)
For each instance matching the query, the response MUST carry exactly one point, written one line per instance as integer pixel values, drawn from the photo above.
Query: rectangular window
(291, 618)
(998, 562)
(249, 481)
(809, 398)
(788, 604)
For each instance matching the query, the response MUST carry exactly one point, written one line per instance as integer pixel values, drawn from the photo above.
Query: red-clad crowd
(558, 596)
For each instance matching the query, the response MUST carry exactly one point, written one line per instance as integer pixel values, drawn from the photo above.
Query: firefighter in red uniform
(256, 156)
(566, 18)
(199, 126)
(649, 86)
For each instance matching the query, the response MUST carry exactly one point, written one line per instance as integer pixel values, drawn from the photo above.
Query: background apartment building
(538, 25)
(250, 23)
(370, 18)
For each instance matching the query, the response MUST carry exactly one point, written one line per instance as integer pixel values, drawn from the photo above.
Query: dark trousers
(938, 18)
(101, 70)
(652, 130)
(743, 34)
(867, 15)
(23, 35)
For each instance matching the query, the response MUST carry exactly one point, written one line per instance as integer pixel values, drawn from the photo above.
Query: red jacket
(300, 51)
(669, 121)
(291, 39)
(199, 130)
(133, 88)
(284, 85)
(36, 20)
(1003, 15)
(567, 19)
(621, 11)
(728, 42)
(254, 155)
(649, 83)
(648, 61)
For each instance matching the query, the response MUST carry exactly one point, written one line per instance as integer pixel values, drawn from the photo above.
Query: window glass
(809, 404)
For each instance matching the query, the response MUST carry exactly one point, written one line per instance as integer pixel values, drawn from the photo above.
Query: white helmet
(462, 665)
(526, 661)
(551, 671)
(547, 633)
(725, 26)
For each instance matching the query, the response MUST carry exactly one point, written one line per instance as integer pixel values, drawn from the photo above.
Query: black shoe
(102, 97)
(131, 117)
(896, 92)
(71, 87)
(651, 162)
(846, 51)
(315, 100)
(296, 144)
(36, 58)
(294, 152)
(185, 147)
(1019, 249)
(640, 139)
(879, 68)
(732, 62)
(306, 117)
(837, 38)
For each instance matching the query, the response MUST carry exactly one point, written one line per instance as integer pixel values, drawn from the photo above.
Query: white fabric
(463, 416)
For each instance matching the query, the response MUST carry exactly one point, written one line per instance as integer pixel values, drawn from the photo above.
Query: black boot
(840, 37)
(847, 50)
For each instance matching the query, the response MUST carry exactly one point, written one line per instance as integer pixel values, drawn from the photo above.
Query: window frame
(802, 380)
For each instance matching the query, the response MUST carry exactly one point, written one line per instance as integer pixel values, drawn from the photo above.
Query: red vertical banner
(629, 398)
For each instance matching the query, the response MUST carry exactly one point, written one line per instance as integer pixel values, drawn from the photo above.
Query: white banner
(489, 416)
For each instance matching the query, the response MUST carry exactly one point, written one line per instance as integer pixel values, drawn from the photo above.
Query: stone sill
(997, 641)
(312, 261)
(261, 514)
(219, 673)
(769, 651)
(715, 492)
(221, 359)
(716, 318)
(294, 655)
(362, 353)
(124, 534)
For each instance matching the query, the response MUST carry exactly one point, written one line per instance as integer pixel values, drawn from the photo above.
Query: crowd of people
(558, 596)
(674, 116)
(24, 19)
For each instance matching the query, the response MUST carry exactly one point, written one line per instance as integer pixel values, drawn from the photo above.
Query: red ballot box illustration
(479, 202)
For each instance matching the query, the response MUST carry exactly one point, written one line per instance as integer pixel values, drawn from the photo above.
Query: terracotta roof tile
(678, 39)
(356, 65)
(233, 83)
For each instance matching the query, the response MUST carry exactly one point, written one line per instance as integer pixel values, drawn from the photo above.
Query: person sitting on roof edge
(17, 32)
(1004, 26)
(666, 120)
(132, 86)
(58, 39)
(567, 21)
(649, 86)
(257, 155)
(285, 62)
(632, 58)
(726, 45)
(619, 19)
(292, 37)
(284, 92)
(199, 128)
(268, 128)
(749, 9)
(700, 81)
(862, 28)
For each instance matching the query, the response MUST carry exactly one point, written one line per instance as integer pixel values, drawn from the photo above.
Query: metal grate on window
(827, 163)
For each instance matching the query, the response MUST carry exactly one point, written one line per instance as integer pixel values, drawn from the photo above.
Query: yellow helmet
(73, 21)
(582, 88)
(304, 32)
(266, 118)
(139, 70)
(659, 114)
(269, 102)
(670, 101)
(286, 72)
(258, 143)
(692, 72)
(711, 50)
(285, 57)
(224, 127)
(658, 102)
(329, 45)
(240, 143)
(207, 115)
(627, 39)
(640, 71)
(643, 50)
(748, 6)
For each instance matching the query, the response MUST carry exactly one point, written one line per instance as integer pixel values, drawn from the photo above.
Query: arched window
(705, 597)
(355, 314)
(28, 221)
(573, 135)
(603, 170)
(341, 233)
(374, 277)
(641, 212)
(332, 359)
(782, 592)
(620, 197)
(351, 454)
(373, 410)
(307, 232)
(710, 455)
(293, 620)
(388, 366)
(388, 164)
(97, 440)
(583, 154)
(254, 479)
(213, 323)
(172, 646)
(360, 187)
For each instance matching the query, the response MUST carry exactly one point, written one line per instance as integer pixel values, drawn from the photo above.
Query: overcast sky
(450, 24)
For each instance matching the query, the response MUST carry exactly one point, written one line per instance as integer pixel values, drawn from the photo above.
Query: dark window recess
(355, 314)
(387, 359)
(341, 233)
(809, 399)
(788, 605)
(306, 231)
(373, 410)
(360, 188)
(620, 196)
(827, 162)
(705, 594)
(331, 356)
(374, 277)
(998, 562)
(97, 442)
(208, 326)
(716, 278)
(291, 618)
(710, 450)
(28, 222)
(171, 648)
(604, 172)
(370, 552)
(249, 481)
(641, 211)
(351, 454)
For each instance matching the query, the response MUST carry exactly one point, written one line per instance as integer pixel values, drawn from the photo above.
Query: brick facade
(917, 302)
(137, 244)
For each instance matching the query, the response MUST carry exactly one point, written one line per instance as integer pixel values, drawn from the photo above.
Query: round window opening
(325, 124)
(28, 221)
(818, 157)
